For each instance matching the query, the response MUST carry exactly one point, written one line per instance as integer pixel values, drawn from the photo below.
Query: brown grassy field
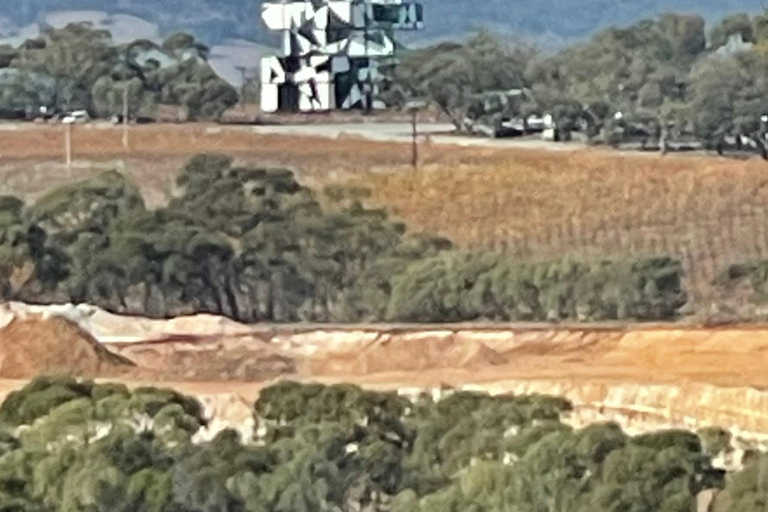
(707, 211)
(32, 159)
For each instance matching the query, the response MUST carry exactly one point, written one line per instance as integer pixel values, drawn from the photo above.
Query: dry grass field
(536, 204)
(32, 158)
(708, 212)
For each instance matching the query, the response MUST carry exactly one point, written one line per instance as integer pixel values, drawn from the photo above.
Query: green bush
(714, 440)
(463, 287)
(39, 398)
(341, 448)
(755, 273)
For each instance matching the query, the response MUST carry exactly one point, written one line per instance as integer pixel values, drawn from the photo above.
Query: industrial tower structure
(332, 52)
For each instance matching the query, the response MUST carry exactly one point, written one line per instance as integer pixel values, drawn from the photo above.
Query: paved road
(401, 132)
(438, 133)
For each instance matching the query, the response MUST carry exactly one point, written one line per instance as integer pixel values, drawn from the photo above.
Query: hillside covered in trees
(672, 76)
(76, 446)
(256, 245)
(79, 67)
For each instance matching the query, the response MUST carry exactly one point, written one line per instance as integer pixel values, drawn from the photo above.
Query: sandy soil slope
(643, 376)
(56, 345)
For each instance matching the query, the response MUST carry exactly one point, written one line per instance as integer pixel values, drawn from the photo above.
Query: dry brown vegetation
(707, 211)
(32, 159)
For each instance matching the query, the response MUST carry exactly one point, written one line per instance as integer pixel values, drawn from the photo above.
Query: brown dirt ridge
(406, 352)
(647, 377)
(54, 346)
(74, 341)
(210, 358)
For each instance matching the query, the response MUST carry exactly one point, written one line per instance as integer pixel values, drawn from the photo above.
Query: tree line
(79, 67)
(258, 246)
(671, 76)
(77, 446)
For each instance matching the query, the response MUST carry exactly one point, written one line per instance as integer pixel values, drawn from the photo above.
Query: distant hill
(552, 22)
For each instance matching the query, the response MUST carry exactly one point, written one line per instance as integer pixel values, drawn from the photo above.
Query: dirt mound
(109, 327)
(54, 346)
(409, 353)
(559, 343)
(214, 358)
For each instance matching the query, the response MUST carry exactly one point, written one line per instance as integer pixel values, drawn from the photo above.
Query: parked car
(76, 117)
(741, 145)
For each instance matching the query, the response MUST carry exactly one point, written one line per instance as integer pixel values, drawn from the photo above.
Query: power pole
(125, 115)
(68, 145)
(413, 107)
(414, 140)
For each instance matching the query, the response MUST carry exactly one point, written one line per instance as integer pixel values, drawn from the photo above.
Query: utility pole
(68, 145)
(125, 115)
(414, 140)
(413, 107)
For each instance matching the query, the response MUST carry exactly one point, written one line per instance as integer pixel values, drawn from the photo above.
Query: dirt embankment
(643, 377)
(211, 348)
(54, 346)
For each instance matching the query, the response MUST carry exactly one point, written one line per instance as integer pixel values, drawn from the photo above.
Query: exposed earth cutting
(645, 377)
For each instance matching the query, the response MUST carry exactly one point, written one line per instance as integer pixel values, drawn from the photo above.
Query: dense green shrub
(81, 67)
(755, 273)
(339, 448)
(459, 287)
(714, 440)
(43, 395)
(40, 397)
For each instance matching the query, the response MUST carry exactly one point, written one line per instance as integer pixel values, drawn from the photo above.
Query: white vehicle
(76, 117)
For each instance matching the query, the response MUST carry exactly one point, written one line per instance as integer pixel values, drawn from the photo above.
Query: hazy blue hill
(553, 20)
(214, 20)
